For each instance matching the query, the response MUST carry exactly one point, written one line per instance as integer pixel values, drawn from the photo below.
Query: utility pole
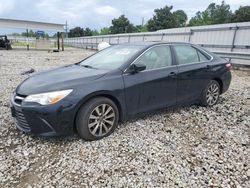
(66, 29)
(142, 22)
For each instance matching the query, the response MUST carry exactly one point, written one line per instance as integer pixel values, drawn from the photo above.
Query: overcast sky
(98, 13)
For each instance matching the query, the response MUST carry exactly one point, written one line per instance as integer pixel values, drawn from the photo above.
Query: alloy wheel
(212, 94)
(101, 120)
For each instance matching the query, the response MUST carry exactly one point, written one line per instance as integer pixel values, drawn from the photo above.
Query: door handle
(172, 74)
(208, 66)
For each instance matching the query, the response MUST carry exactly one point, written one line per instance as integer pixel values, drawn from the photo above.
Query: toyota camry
(90, 97)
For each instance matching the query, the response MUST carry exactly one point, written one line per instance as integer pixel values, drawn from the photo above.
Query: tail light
(229, 66)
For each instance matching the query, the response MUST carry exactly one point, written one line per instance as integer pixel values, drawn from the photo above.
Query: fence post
(162, 36)
(62, 41)
(190, 34)
(118, 40)
(27, 42)
(233, 41)
(58, 40)
(128, 38)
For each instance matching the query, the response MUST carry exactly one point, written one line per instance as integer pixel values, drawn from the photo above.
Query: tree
(201, 18)
(80, 32)
(242, 14)
(87, 32)
(76, 32)
(214, 14)
(95, 32)
(121, 25)
(46, 35)
(31, 33)
(15, 34)
(140, 28)
(181, 17)
(162, 19)
(221, 14)
(105, 31)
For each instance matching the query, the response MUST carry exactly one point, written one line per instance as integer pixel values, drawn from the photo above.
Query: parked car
(119, 82)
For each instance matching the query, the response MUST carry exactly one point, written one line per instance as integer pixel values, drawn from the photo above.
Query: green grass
(23, 44)
(33, 45)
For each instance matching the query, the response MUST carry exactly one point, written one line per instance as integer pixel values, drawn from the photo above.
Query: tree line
(30, 33)
(166, 18)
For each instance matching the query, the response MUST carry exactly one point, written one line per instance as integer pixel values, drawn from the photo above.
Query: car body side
(127, 90)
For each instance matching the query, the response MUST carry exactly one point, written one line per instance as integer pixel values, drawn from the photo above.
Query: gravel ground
(186, 147)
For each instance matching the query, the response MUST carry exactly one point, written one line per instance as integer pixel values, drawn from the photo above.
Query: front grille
(21, 121)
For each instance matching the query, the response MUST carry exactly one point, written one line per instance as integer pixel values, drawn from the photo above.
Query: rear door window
(186, 54)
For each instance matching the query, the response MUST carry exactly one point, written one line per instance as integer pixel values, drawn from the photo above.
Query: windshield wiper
(88, 66)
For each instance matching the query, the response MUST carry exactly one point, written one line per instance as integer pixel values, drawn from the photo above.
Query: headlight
(48, 98)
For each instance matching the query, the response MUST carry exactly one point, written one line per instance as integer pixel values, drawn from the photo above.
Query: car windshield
(111, 58)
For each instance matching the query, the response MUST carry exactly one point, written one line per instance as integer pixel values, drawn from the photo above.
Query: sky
(96, 14)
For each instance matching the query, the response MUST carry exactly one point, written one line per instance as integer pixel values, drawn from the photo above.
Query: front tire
(97, 118)
(210, 94)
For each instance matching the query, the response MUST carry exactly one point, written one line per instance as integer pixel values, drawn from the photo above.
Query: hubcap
(101, 120)
(212, 94)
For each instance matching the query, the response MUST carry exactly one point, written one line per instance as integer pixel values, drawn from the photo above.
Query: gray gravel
(186, 147)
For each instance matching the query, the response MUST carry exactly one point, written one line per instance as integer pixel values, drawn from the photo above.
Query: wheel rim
(212, 94)
(101, 120)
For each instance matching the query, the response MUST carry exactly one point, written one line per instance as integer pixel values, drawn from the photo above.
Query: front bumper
(52, 120)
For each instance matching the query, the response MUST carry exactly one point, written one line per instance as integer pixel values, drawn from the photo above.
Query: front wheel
(210, 94)
(97, 118)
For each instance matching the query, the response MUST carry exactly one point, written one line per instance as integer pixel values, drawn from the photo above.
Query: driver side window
(156, 57)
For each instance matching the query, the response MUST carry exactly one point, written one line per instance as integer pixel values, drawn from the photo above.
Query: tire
(210, 94)
(97, 118)
(9, 47)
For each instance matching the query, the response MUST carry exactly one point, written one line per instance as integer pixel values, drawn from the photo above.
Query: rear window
(202, 57)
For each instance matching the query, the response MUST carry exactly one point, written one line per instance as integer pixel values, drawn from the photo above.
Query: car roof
(151, 43)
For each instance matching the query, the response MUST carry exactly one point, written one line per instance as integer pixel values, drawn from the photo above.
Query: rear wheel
(210, 94)
(97, 118)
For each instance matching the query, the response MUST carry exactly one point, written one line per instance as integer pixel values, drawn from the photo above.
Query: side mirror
(135, 68)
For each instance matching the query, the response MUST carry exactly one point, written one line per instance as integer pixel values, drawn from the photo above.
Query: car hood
(57, 79)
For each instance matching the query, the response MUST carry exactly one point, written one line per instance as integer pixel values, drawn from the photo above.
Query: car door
(155, 87)
(193, 72)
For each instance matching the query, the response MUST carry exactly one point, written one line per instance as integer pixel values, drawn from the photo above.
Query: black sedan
(119, 82)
